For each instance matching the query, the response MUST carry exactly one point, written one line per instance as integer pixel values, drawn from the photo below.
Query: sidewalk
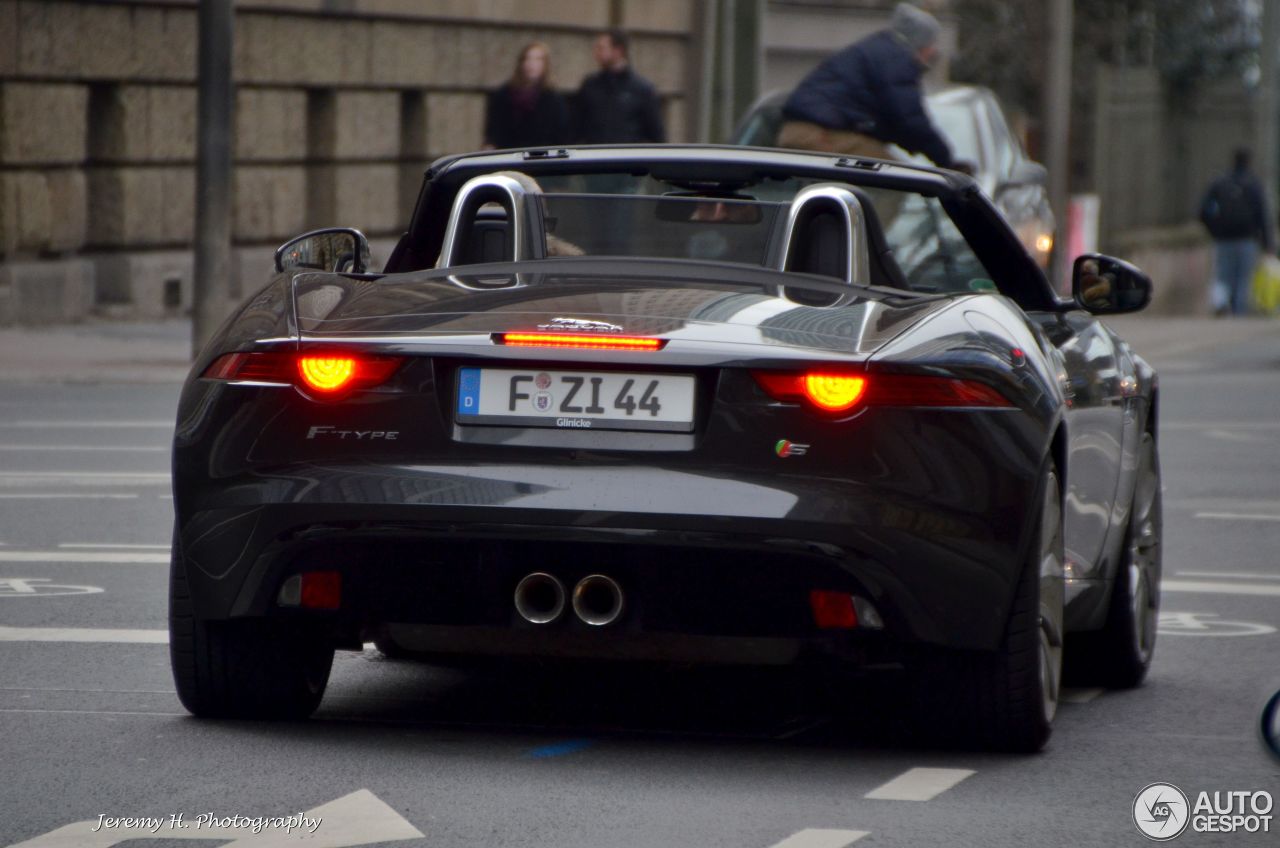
(1164, 340)
(159, 352)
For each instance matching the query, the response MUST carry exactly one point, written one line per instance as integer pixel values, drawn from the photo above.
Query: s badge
(784, 449)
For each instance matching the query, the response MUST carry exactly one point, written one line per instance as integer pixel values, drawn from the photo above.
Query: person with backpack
(1234, 211)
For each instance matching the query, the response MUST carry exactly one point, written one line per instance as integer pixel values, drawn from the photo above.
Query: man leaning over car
(867, 96)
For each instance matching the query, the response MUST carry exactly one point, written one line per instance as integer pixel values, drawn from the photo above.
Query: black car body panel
(718, 532)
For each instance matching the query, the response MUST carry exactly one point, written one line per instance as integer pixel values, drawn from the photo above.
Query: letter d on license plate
(606, 400)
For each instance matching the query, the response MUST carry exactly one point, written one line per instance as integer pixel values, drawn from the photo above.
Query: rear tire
(1006, 699)
(1119, 655)
(243, 668)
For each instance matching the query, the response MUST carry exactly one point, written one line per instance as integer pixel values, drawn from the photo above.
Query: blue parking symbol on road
(468, 391)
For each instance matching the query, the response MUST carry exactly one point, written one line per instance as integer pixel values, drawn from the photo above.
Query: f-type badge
(580, 325)
(785, 449)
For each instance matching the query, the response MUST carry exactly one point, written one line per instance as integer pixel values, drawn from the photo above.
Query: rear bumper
(701, 557)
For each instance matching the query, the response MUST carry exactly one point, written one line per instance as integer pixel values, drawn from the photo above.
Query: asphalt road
(90, 726)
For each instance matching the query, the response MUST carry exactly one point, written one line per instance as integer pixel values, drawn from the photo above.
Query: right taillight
(840, 392)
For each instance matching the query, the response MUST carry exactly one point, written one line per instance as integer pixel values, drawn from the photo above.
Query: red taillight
(320, 374)
(321, 590)
(833, 610)
(908, 390)
(832, 391)
(829, 391)
(252, 367)
(327, 373)
(582, 342)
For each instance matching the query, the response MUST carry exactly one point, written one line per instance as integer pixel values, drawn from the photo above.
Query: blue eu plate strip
(468, 391)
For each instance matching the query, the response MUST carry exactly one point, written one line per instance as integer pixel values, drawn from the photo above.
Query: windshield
(912, 241)
(956, 121)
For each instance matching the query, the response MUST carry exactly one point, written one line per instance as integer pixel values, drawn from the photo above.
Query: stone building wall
(340, 106)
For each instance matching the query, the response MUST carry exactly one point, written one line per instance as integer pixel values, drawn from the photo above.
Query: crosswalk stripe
(101, 557)
(1238, 516)
(84, 478)
(919, 784)
(93, 425)
(110, 546)
(813, 837)
(68, 496)
(83, 634)
(1230, 575)
(1209, 587)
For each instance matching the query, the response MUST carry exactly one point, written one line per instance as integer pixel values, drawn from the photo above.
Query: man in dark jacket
(1234, 211)
(617, 105)
(868, 96)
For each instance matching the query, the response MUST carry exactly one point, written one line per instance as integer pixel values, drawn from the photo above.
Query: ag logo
(1161, 812)
(784, 449)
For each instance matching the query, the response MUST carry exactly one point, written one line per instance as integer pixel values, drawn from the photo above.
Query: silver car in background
(971, 119)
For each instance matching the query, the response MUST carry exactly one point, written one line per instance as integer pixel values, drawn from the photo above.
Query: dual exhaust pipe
(541, 599)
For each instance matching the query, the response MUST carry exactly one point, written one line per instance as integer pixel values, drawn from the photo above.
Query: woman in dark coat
(525, 111)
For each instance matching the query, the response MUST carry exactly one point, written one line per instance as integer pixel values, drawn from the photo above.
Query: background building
(340, 106)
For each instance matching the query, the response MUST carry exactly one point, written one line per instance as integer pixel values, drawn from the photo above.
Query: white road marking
(1230, 575)
(111, 545)
(84, 634)
(1207, 624)
(39, 710)
(69, 496)
(1220, 425)
(103, 557)
(1078, 696)
(360, 818)
(84, 476)
(919, 784)
(1230, 436)
(1237, 516)
(87, 448)
(86, 425)
(39, 587)
(812, 837)
(1209, 587)
(94, 691)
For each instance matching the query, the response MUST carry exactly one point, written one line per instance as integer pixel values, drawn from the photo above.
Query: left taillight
(320, 374)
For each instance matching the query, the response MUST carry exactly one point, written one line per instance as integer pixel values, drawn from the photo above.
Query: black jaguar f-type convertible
(679, 405)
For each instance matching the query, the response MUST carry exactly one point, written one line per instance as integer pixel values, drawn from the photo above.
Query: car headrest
(825, 233)
(523, 237)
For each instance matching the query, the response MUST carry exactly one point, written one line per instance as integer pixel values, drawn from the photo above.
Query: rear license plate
(576, 399)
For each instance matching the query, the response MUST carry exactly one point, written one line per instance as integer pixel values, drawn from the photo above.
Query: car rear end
(699, 476)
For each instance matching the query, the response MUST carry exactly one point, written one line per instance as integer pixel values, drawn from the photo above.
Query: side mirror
(330, 249)
(1104, 285)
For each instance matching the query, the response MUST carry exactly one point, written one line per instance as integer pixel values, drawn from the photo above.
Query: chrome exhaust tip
(540, 598)
(597, 600)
